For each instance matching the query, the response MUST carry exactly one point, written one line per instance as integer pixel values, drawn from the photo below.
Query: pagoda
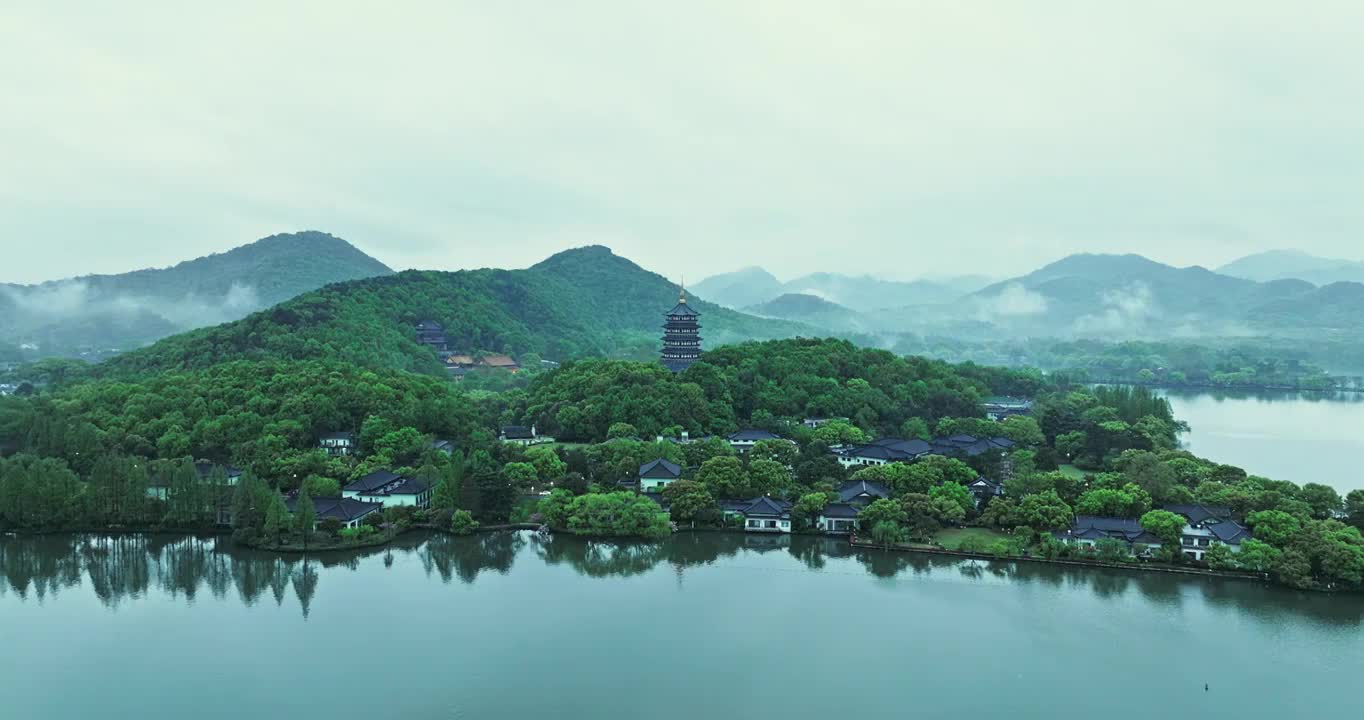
(681, 338)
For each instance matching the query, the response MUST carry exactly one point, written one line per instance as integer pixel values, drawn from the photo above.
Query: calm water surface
(1303, 437)
(710, 625)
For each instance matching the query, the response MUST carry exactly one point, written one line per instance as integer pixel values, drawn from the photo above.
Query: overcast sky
(899, 138)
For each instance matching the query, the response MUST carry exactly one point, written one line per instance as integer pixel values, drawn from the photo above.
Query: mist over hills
(753, 286)
(1111, 297)
(1294, 264)
(1129, 296)
(586, 301)
(813, 310)
(102, 313)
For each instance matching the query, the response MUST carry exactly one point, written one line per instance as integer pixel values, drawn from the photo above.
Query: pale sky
(899, 138)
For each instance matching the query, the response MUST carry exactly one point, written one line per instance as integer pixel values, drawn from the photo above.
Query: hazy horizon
(900, 140)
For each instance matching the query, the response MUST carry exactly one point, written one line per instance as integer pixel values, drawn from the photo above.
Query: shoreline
(853, 542)
(1261, 578)
(1212, 387)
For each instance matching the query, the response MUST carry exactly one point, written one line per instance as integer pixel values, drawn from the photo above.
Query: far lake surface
(699, 626)
(1303, 437)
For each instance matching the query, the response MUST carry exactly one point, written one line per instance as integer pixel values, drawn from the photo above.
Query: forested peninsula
(477, 399)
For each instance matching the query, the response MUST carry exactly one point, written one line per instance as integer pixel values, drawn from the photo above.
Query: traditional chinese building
(681, 336)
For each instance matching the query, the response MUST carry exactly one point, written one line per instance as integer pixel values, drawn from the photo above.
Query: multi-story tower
(681, 335)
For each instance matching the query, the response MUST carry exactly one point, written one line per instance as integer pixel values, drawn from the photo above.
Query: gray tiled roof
(373, 481)
(1198, 514)
(854, 488)
(751, 435)
(1230, 532)
(343, 509)
(660, 468)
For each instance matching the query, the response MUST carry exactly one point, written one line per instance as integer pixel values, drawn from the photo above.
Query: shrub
(462, 522)
(355, 534)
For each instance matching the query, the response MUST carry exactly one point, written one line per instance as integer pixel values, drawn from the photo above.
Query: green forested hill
(580, 302)
(120, 312)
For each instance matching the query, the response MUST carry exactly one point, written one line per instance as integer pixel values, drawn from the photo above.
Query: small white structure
(521, 435)
(744, 440)
(337, 443)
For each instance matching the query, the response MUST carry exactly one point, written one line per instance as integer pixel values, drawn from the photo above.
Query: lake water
(705, 625)
(1303, 437)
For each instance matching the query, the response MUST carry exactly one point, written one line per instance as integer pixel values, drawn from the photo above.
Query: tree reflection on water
(122, 568)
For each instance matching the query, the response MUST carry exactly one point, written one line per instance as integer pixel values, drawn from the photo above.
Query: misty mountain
(812, 310)
(741, 288)
(118, 312)
(586, 301)
(754, 286)
(1127, 296)
(1294, 264)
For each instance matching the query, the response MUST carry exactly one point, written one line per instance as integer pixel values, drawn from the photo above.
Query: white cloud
(1012, 301)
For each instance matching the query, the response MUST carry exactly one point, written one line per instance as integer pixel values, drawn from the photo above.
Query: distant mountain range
(1099, 296)
(1294, 265)
(812, 310)
(100, 313)
(754, 286)
(589, 301)
(1125, 296)
(586, 301)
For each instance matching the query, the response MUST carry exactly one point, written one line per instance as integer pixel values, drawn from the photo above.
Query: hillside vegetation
(104, 313)
(580, 302)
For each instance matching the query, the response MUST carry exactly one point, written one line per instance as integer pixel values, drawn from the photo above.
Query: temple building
(681, 335)
(431, 334)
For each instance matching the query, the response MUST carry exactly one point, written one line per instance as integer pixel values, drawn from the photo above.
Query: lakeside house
(1207, 526)
(658, 474)
(350, 512)
(761, 514)
(159, 486)
(337, 444)
(522, 435)
(442, 445)
(744, 440)
(1001, 408)
(1088, 530)
(388, 489)
(838, 518)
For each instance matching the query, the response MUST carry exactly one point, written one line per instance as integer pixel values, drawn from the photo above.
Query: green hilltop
(581, 302)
